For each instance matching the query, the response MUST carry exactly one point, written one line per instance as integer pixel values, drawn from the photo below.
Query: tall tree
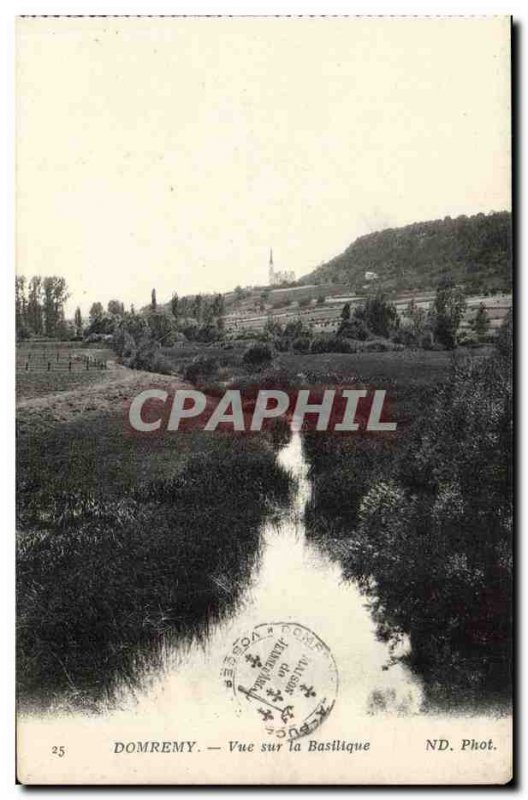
(184, 307)
(96, 311)
(161, 327)
(20, 301)
(116, 307)
(218, 306)
(417, 317)
(39, 304)
(447, 312)
(55, 295)
(197, 307)
(239, 295)
(35, 305)
(175, 306)
(78, 321)
(378, 314)
(153, 301)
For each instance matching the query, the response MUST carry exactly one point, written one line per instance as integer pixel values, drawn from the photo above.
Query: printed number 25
(58, 750)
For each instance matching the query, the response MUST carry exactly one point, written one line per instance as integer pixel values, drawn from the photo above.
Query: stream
(293, 581)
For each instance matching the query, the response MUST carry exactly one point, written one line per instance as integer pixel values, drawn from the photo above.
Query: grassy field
(72, 428)
(404, 367)
(106, 583)
(118, 551)
(43, 369)
(33, 384)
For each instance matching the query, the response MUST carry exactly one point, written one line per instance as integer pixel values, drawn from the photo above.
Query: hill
(475, 250)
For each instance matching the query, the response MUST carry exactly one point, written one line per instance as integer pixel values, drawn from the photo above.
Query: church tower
(271, 269)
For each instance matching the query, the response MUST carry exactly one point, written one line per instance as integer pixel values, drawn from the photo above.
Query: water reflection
(292, 581)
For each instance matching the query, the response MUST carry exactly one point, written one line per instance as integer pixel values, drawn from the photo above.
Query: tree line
(137, 338)
(438, 325)
(376, 324)
(196, 318)
(39, 306)
(39, 312)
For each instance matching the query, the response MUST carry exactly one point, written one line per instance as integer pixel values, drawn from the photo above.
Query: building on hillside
(276, 277)
(371, 276)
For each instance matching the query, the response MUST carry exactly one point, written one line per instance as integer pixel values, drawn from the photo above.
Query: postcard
(264, 400)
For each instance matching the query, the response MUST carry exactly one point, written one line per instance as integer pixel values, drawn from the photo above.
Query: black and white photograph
(264, 400)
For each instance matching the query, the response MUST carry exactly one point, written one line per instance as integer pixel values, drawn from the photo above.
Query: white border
(8, 11)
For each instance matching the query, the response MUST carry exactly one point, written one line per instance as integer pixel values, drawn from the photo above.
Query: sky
(173, 153)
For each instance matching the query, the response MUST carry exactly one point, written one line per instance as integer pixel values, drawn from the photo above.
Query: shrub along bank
(105, 585)
(423, 521)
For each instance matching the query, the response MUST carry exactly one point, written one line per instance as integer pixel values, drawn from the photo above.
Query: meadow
(43, 368)
(406, 365)
(119, 554)
(106, 584)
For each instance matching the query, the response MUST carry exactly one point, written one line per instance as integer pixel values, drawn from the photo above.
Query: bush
(295, 328)
(105, 324)
(201, 368)
(453, 501)
(190, 331)
(22, 332)
(406, 335)
(343, 472)
(447, 312)
(209, 333)
(160, 364)
(151, 362)
(332, 344)
(258, 355)
(123, 343)
(427, 529)
(354, 329)
(379, 315)
(273, 378)
(105, 587)
(427, 340)
(281, 344)
(273, 328)
(162, 327)
(301, 344)
(147, 356)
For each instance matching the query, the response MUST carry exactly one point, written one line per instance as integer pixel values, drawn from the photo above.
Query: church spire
(271, 257)
(271, 269)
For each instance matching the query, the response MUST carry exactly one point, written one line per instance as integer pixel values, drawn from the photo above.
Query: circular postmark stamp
(284, 675)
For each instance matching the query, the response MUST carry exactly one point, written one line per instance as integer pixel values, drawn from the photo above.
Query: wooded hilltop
(475, 251)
